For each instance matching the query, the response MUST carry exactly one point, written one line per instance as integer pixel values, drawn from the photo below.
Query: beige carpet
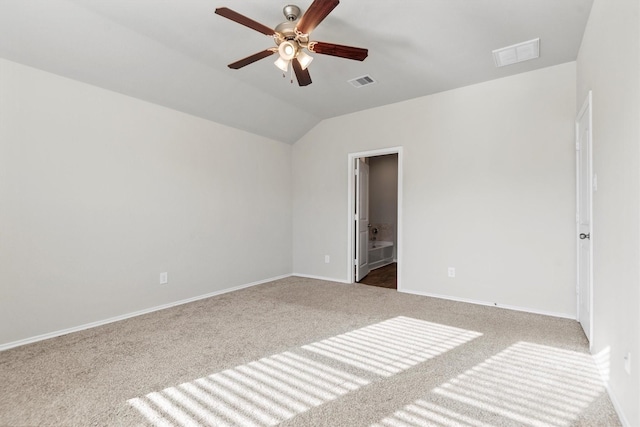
(302, 352)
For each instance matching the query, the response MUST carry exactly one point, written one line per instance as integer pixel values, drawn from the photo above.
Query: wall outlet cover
(627, 363)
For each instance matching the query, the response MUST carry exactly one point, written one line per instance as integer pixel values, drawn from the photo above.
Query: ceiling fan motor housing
(286, 31)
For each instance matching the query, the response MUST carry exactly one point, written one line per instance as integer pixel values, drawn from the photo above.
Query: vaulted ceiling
(175, 52)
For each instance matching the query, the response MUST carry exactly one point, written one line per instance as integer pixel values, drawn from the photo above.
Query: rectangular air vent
(362, 81)
(517, 53)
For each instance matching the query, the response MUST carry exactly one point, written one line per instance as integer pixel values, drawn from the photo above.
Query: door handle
(585, 236)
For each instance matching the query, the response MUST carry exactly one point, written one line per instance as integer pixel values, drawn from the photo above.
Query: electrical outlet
(327, 259)
(164, 278)
(627, 363)
(451, 272)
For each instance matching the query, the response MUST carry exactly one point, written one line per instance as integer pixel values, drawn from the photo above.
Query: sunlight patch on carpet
(261, 393)
(530, 384)
(392, 346)
(423, 413)
(274, 389)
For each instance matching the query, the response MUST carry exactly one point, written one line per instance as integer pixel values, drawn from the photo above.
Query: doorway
(585, 185)
(375, 223)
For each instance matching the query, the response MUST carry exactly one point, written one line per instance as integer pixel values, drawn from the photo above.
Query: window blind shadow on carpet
(527, 384)
(273, 389)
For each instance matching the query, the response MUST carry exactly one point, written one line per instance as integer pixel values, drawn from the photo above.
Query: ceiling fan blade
(251, 59)
(247, 22)
(318, 10)
(349, 52)
(303, 76)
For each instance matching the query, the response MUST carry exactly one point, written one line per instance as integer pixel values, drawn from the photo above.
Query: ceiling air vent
(517, 53)
(362, 81)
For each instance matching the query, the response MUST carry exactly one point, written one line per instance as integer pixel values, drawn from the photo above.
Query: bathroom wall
(383, 197)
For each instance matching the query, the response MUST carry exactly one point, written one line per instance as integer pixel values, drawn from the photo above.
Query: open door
(585, 187)
(362, 219)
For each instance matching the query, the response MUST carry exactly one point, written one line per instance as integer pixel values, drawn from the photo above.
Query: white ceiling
(175, 52)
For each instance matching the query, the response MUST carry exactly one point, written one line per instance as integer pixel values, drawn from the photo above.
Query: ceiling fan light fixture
(283, 64)
(304, 59)
(287, 50)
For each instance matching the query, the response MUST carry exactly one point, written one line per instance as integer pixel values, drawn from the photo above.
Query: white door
(362, 219)
(585, 185)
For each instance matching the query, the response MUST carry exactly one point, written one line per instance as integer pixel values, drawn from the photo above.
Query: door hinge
(355, 262)
(355, 216)
(577, 146)
(356, 172)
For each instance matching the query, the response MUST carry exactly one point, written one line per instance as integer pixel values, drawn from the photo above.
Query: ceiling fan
(292, 39)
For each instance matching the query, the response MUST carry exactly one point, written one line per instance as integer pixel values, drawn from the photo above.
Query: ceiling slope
(175, 52)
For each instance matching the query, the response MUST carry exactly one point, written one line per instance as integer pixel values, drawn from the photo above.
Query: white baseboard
(327, 279)
(616, 405)
(54, 334)
(602, 363)
(491, 304)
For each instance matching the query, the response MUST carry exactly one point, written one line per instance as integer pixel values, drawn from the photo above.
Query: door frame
(587, 108)
(351, 195)
(362, 262)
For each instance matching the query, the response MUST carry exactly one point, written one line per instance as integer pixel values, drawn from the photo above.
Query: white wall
(100, 192)
(609, 64)
(489, 188)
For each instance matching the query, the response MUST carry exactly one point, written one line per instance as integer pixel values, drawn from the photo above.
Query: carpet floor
(304, 352)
